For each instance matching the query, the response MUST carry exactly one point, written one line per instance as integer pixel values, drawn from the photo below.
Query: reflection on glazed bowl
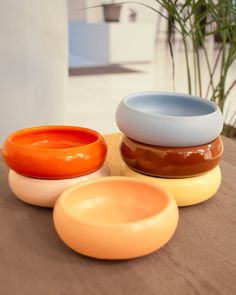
(169, 119)
(186, 191)
(44, 192)
(54, 152)
(171, 162)
(115, 218)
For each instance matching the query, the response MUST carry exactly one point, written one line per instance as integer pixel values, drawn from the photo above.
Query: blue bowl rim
(189, 96)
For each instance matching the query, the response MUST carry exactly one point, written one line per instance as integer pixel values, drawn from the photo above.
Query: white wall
(75, 10)
(144, 14)
(110, 43)
(33, 59)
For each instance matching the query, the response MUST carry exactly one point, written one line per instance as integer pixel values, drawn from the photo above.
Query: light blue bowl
(169, 119)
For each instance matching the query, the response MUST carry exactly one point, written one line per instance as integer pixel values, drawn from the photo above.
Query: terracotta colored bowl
(44, 192)
(186, 191)
(54, 152)
(176, 162)
(115, 218)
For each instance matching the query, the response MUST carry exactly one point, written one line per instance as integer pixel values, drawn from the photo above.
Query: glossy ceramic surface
(169, 119)
(186, 191)
(54, 152)
(44, 192)
(115, 218)
(171, 162)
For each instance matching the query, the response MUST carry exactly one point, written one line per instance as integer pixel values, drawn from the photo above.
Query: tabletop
(199, 259)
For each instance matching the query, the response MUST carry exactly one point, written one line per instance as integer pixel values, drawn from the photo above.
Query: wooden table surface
(199, 259)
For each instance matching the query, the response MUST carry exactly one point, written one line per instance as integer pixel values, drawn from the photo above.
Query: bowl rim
(10, 138)
(62, 198)
(174, 94)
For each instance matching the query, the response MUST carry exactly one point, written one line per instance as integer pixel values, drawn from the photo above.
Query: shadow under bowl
(186, 191)
(115, 218)
(45, 192)
(169, 119)
(54, 152)
(171, 162)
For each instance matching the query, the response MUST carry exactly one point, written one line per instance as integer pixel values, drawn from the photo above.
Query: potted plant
(111, 11)
(197, 22)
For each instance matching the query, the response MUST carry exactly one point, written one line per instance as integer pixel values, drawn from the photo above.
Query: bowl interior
(54, 138)
(170, 105)
(115, 201)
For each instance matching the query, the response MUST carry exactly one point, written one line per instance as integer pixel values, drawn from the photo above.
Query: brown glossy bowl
(176, 162)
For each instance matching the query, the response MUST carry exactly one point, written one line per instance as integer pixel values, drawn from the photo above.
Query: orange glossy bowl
(115, 217)
(171, 162)
(54, 152)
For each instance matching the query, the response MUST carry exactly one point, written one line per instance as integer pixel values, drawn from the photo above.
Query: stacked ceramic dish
(46, 160)
(106, 217)
(173, 140)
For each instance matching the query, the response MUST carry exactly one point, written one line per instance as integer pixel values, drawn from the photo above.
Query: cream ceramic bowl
(115, 217)
(186, 191)
(44, 192)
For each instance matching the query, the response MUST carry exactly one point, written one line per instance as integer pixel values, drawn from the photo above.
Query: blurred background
(72, 61)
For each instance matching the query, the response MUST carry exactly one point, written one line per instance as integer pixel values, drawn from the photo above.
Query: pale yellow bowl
(44, 192)
(186, 191)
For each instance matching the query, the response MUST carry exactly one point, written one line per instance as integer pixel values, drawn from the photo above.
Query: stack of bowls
(105, 218)
(46, 160)
(174, 140)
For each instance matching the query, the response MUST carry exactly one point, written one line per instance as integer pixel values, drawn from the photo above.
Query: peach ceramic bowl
(171, 162)
(44, 192)
(115, 218)
(54, 152)
(186, 191)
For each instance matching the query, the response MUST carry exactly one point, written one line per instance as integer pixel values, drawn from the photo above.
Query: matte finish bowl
(115, 218)
(44, 192)
(186, 191)
(169, 119)
(54, 152)
(171, 162)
